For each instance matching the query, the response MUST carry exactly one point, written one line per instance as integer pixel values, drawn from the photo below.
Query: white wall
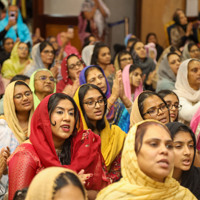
(119, 10)
(62, 7)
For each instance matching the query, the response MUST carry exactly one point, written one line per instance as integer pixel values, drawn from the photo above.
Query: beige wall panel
(155, 14)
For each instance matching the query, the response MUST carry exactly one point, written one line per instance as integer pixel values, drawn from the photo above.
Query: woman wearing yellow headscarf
(18, 104)
(53, 182)
(147, 163)
(112, 138)
(19, 59)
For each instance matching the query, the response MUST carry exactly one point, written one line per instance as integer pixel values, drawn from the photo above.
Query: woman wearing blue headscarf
(13, 27)
(117, 113)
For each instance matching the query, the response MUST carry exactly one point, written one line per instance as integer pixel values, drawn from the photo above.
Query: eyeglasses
(44, 78)
(74, 66)
(23, 48)
(20, 95)
(92, 104)
(48, 52)
(154, 111)
(195, 50)
(176, 106)
(126, 59)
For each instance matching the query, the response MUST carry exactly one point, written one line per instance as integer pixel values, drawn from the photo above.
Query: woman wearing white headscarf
(188, 88)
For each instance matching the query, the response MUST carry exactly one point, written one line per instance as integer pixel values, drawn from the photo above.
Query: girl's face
(135, 77)
(23, 98)
(174, 63)
(47, 55)
(94, 105)
(104, 56)
(74, 67)
(194, 74)
(22, 51)
(183, 150)
(96, 77)
(156, 155)
(182, 18)
(155, 108)
(140, 50)
(64, 120)
(173, 105)
(125, 59)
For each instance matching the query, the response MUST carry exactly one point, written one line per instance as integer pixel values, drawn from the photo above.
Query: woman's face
(156, 155)
(104, 56)
(96, 77)
(44, 82)
(125, 59)
(155, 108)
(174, 63)
(47, 55)
(93, 104)
(64, 120)
(152, 38)
(194, 52)
(23, 98)
(194, 74)
(69, 192)
(182, 18)
(140, 50)
(172, 103)
(183, 150)
(135, 77)
(74, 67)
(22, 51)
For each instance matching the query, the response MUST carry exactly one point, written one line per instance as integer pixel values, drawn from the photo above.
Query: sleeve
(115, 169)
(188, 109)
(21, 170)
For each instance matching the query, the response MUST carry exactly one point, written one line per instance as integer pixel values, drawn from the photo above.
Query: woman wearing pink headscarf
(132, 80)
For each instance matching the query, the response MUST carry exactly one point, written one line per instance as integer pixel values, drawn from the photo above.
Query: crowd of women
(84, 125)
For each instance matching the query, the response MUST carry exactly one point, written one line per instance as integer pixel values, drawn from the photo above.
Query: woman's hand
(54, 70)
(83, 177)
(4, 154)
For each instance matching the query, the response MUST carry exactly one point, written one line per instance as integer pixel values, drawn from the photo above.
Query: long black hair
(65, 156)
(100, 125)
(191, 178)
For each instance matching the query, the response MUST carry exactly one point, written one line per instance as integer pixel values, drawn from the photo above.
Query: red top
(29, 159)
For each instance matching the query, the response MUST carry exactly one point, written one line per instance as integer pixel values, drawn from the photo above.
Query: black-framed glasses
(75, 66)
(176, 106)
(92, 103)
(20, 95)
(44, 78)
(155, 110)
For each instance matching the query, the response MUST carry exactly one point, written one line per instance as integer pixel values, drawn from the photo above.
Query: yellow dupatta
(10, 114)
(138, 186)
(112, 139)
(42, 186)
(12, 66)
